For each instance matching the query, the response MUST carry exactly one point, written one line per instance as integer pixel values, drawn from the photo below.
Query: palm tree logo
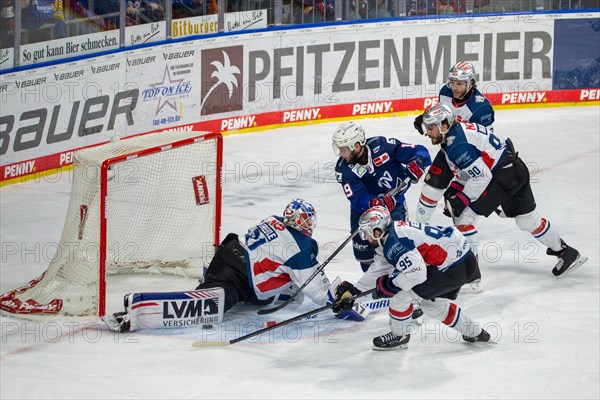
(225, 74)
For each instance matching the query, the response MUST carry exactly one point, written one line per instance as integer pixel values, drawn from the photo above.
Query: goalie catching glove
(346, 308)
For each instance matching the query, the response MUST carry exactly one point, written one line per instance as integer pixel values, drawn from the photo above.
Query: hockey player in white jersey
(490, 174)
(414, 260)
(274, 256)
(468, 105)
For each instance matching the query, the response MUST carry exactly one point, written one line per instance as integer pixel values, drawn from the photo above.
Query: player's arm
(414, 157)
(410, 270)
(468, 160)
(483, 115)
(356, 191)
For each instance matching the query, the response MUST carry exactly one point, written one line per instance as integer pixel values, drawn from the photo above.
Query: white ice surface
(547, 329)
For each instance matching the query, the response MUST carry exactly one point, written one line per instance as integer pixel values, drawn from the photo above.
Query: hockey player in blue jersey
(490, 174)
(276, 256)
(367, 169)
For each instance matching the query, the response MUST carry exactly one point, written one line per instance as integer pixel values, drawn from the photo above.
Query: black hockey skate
(569, 259)
(483, 337)
(390, 341)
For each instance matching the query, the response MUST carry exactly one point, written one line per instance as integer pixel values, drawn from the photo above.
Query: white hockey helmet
(462, 71)
(347, 135)
(377, 217)
(436, 115)
(300, 215)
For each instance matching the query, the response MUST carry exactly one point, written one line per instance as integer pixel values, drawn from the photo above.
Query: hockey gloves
(343, 308)
(419, 124)
(415, 169)
(342, 295)
(455, 199)
(385, 288)
(383, 200)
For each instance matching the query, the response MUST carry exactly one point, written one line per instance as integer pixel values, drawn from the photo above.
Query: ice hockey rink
(547, 329)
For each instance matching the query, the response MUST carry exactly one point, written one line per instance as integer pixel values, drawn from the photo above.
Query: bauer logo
(200, 190)
(221, 77)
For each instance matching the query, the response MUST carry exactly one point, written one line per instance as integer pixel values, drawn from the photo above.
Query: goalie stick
(392, 192)
(203, 343)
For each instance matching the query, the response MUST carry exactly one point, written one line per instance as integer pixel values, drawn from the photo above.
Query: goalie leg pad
(160, 310)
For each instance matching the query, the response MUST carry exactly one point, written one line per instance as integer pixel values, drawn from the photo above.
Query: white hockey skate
(471, 288)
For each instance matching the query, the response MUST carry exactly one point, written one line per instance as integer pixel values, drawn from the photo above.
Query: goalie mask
(300, 215)
(375, 218)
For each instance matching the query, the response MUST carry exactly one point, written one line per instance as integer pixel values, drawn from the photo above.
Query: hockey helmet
(377, 217)
(438, 114)
(300, 215)
(462, 71)
(347, 135)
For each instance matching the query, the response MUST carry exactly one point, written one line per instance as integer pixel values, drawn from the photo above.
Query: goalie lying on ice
(273, 257)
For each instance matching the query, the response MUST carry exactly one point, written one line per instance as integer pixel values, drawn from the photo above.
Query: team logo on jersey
(450, 140)
(382, 159)
(359, 170)
(479, 99)
(221, 77)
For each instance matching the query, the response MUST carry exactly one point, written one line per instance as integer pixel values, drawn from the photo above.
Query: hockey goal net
(144, 204)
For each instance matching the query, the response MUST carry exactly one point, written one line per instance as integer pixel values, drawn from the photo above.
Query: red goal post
(150, 203)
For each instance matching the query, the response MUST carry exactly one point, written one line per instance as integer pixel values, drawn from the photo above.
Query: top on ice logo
(221, 77)
(167, 90)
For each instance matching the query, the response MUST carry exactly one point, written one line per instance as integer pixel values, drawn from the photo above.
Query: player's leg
(466, 225)
(401, 323)
(363, 252)
(521, 207)
(452, 315)
(227, 269)
(164, 310)
(436, 180)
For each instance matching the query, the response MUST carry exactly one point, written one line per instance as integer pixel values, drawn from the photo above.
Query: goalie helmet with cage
(438, 114)
(462, 71)
(300, 215)
(375, 218)
(347, 135)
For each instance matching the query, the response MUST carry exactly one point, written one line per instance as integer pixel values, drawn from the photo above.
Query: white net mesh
(161, 217)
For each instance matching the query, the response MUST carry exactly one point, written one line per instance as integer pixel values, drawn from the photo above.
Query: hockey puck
(207, 326)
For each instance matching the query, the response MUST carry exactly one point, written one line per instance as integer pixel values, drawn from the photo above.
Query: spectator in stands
(378, 9)
(312, 11)
(422, 7)
(7, 24)
(35, 13)
(357, 10)
(189, 8)
(213, 7)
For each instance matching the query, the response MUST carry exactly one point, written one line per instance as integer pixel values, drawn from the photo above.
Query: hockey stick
(203, 343)
(264, 311)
